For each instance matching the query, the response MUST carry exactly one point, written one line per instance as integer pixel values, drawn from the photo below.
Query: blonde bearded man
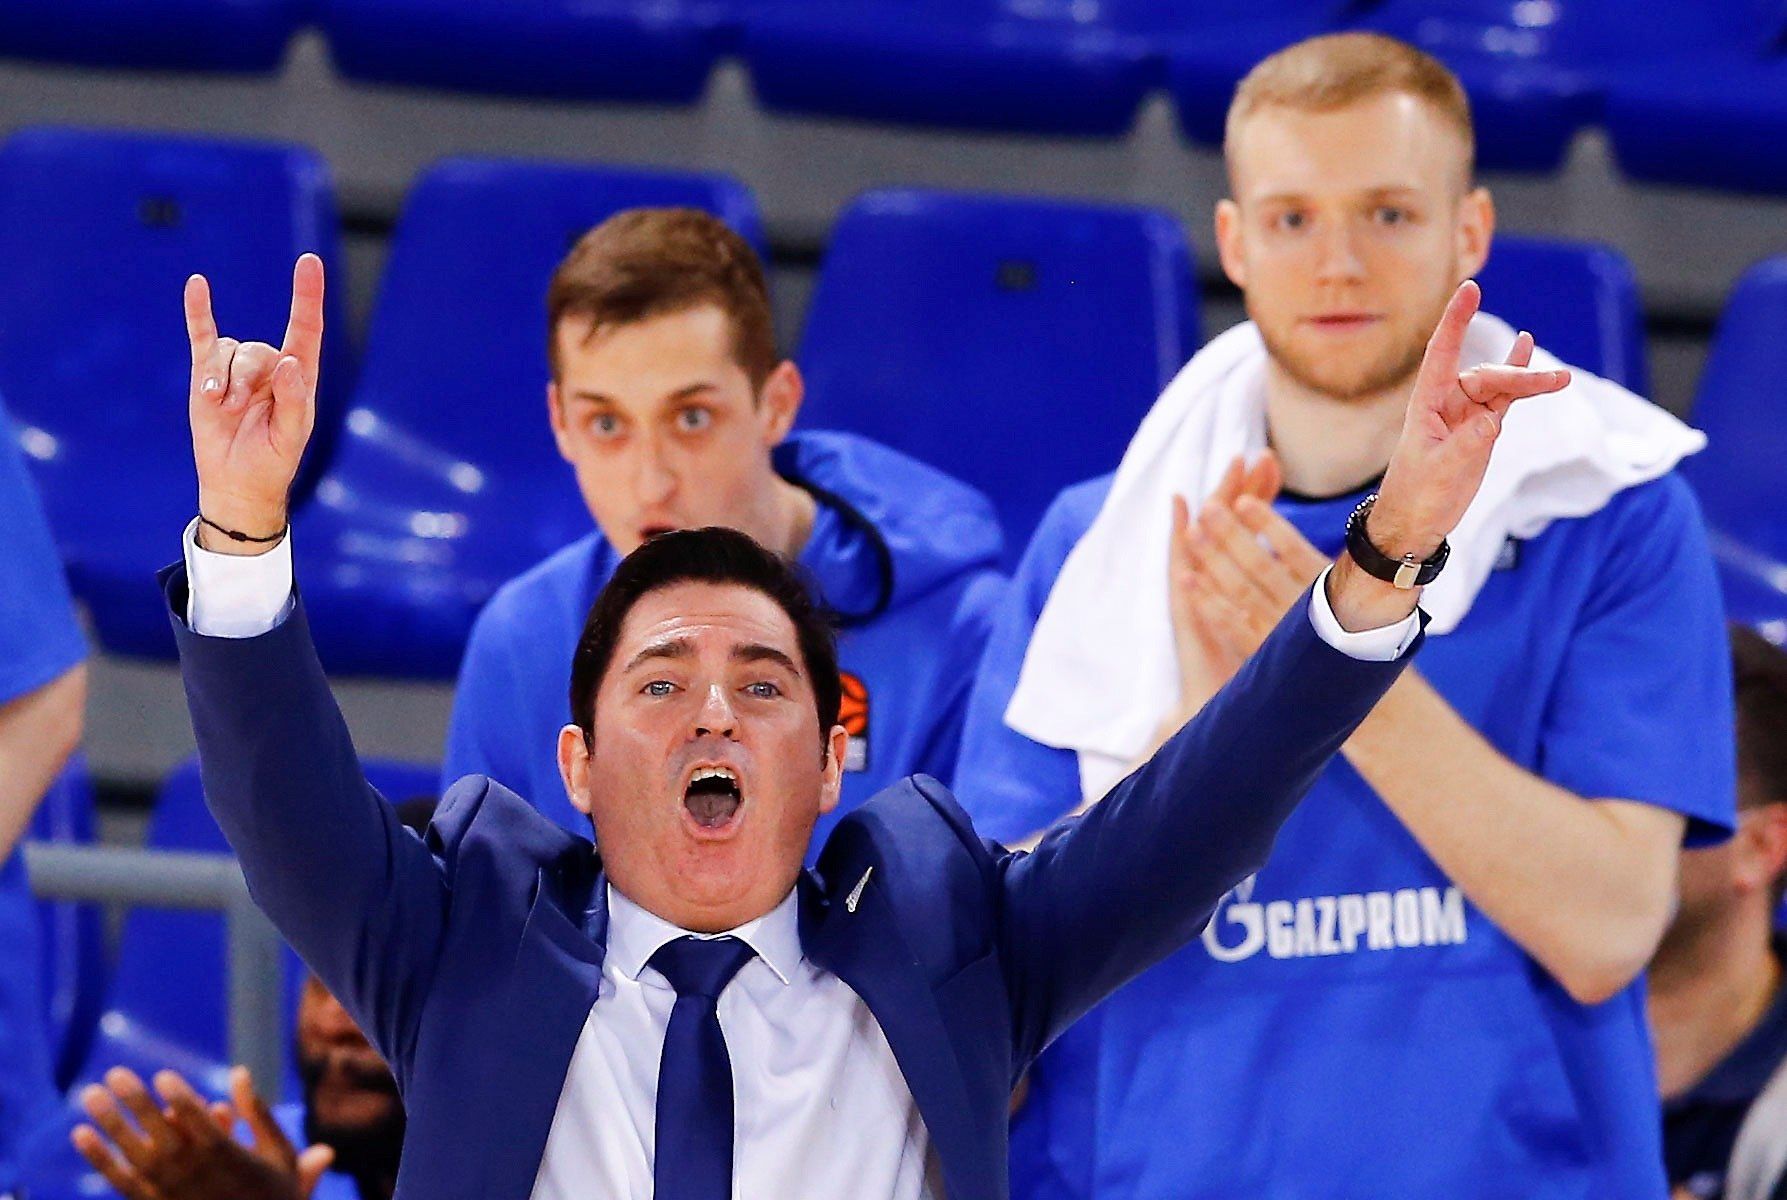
(1432, 988)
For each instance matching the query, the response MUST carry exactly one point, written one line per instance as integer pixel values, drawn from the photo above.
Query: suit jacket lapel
(558, 971)
(867, 950)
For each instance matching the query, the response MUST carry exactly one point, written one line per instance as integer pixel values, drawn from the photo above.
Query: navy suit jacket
(471, 957)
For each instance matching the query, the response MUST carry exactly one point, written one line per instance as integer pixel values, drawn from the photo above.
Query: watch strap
(1405, 573)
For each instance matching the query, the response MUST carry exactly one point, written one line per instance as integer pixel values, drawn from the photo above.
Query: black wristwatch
(1406, 572)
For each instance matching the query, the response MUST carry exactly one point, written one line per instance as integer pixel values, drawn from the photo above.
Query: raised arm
(252, 408)
(1107, 895)
(356, 893)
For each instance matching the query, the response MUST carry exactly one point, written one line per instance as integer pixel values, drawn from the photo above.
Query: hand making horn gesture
(252, 407)
(1453, 420)
(1234, 568)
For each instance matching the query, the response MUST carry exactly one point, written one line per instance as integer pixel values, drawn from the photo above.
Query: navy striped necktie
(693, 1155)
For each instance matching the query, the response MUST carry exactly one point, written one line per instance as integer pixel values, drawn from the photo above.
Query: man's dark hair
(711, 555)
(650, 262)
(1759, 674)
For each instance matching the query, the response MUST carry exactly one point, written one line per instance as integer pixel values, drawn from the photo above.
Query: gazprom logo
(1316, 926)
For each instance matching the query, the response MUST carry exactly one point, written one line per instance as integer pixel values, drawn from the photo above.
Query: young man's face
(706, 680)
(663, 428)
(1347, 232)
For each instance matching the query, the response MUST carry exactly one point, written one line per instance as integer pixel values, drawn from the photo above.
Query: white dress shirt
(821, 1108)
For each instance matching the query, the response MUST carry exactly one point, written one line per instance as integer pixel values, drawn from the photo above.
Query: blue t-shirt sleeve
(1642, 709)
(40, 639)
(1012, 786)
(481, 735)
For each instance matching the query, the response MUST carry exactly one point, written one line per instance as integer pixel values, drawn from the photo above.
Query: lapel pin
(855, 895)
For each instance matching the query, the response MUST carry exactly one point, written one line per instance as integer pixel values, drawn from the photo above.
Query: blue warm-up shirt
(905, 554)
(1351, 1025)
(39, 641)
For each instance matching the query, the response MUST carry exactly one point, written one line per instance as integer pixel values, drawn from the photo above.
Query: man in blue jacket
(669, 402)
(688, 1013)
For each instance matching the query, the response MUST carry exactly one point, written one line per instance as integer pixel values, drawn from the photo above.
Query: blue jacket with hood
(904, 554)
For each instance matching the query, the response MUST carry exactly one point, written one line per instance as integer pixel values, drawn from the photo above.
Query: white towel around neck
(1100, 672)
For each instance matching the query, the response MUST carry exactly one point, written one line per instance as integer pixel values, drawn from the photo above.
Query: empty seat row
(98, 231)
(1014, 342)
(1690, 93)
(444, 481)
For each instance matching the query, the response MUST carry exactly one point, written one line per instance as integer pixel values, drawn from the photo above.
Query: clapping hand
(1237, 567)
(1205, 651)
(180, 1148)
(252, 407)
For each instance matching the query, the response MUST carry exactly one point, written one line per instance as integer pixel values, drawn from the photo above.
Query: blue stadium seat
(1529, 68)
(1754, 584)
(1738, 476)
(1204, 66)
(73, 945)
(1716, 118)
(168, 1001)
(1013, 343)
(1578, 299)
(1058, 66)
(98, 232)
(656, 50)
(447, 482)
(193, 35)
(1537, 71)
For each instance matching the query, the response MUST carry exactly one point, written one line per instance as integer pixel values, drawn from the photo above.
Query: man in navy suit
(690, 1015)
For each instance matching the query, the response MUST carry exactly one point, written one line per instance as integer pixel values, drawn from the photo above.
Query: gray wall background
(1688, 246)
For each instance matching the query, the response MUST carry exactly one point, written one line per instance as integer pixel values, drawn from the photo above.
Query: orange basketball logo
(853, 715)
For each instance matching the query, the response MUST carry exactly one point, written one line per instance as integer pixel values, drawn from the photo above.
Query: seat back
(660, 51)
(1174, 17)
(1578, 299)
(181, 35)
(1013, 343)
(1165, 16)
(1587, 34)
(1739, 405)
(98, 233)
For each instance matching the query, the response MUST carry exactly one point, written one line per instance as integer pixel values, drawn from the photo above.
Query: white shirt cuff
(1386, 644)
(236, 595)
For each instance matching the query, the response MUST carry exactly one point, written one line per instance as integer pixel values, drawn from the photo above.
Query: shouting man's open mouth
(712, 798)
